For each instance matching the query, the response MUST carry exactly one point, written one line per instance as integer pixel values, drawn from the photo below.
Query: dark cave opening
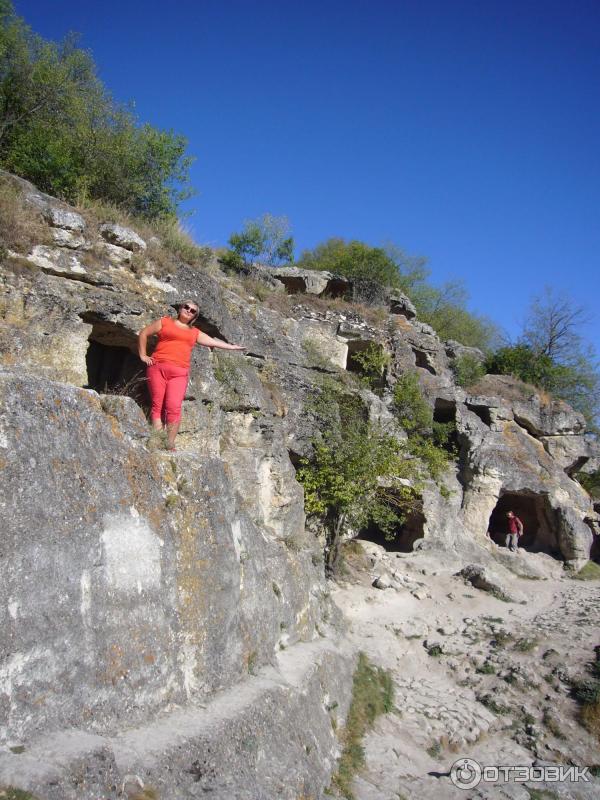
(423, 360)
(404, 538)
(595, 550)
(444, 417)
(113, 365)
(444, 410)
(336, 288)
(483, 412)
(538, 518)
(292, 284)
(296, 458)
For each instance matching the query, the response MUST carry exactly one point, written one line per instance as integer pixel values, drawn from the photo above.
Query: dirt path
(475, 677)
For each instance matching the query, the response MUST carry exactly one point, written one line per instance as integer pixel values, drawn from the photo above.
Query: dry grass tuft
(21, 225)
(168, 241)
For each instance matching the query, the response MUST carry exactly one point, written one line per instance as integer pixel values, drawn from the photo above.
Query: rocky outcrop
(141, 586)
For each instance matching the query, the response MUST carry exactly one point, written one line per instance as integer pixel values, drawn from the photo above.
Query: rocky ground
(476, 676)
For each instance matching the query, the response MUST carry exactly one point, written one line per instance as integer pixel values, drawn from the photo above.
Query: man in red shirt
(515, 530)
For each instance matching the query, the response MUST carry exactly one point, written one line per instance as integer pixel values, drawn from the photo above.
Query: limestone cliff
(167, 615)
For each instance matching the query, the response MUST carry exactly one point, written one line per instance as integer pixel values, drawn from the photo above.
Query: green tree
(468, 369)
(552, 354)
(371, 362)
(61, 129)
(443, 308)
(354, 476)
(266, 239)
(352, 259)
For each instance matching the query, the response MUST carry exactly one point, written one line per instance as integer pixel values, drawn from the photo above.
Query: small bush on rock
(372, 362)
(468, 369)
(428, 441)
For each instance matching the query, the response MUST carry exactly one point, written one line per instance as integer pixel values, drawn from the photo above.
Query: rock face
(139, 587)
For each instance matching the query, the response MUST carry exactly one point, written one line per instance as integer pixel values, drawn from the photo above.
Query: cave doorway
(424, 360)
(293, 284)
(405, 536)
(595, 550)
(336, 287)
(445, 433)
(113, 365)
(538, 518)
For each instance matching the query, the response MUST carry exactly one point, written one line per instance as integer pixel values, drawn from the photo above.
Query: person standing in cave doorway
(515, 531)
(169, 365)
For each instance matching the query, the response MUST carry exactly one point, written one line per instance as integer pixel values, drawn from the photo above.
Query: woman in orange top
(169, 366)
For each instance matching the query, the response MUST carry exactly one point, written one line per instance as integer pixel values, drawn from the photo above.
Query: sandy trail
(498, 691)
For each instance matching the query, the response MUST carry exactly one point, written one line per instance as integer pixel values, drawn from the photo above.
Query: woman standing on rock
(169, 366)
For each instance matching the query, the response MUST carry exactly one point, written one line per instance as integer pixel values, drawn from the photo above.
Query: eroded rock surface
(139, 584)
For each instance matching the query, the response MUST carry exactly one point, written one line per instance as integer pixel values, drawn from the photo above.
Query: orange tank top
(175, 344)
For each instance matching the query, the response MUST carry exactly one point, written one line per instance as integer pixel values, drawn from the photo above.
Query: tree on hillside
(444, 308)
(352, 259)
(355, 476)
(61, 129)
(552, 326)
(551, 354)
(266, 239)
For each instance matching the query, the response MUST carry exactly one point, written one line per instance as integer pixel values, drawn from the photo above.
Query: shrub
(468, 369)
(589, 572)
(11, 793)
(372, 695)
(587, 694)
(576, 382)
(590, 482)
(231, 261)
(428, 441)
(413, 412)
(372, 363)
(352, 259)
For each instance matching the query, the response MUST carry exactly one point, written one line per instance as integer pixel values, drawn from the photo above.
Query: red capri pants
(167, 383)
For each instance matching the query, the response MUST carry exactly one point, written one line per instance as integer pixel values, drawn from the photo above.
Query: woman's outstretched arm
(207, 341)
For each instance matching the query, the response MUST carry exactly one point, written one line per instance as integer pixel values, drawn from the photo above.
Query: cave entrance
(538, 518)
(113, 365)
(336, 287)
(424, 360)
(595, 550)
(404, 537)
(444, 415)
(292, 284)
(483, 412)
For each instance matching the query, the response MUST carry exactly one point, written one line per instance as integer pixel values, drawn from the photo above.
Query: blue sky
(466, 131)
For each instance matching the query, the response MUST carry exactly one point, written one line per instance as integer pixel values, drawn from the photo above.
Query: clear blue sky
(467, 131)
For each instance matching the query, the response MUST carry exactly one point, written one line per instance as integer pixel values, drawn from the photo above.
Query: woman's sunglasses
(189, 308)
